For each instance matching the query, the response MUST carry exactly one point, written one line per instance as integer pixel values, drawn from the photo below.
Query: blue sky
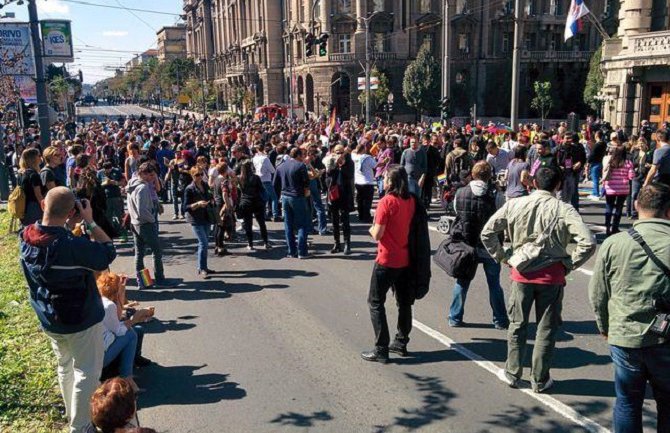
(99, 28)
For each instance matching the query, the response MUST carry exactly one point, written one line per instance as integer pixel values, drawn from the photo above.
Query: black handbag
(455, 257)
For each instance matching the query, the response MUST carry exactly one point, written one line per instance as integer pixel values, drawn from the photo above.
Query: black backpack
(463, 162)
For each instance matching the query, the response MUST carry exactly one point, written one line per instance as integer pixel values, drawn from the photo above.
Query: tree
(542, 102)
(379, 96)
(594, 81)
(421, 84)
(59, 88)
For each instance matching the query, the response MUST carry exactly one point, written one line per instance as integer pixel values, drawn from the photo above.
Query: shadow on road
(583, 327)
(524, 419)
(418, 358)
(301, 420)
(271, 274)
(179, 385)
(434, 405)
(158, 326)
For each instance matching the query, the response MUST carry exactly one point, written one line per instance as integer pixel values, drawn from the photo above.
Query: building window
(463, 42)
(428, 38)
(344, 43)
(557, 7)
(380, 42)
(462, 7)
(377, 6)
(425, 6)
(531, 7)
(505, 45)
(659, 13)
(344, 6)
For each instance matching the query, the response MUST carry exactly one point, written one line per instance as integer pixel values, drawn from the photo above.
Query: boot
(347, 248)
(337, 248)
(608, 224)
(615, 224)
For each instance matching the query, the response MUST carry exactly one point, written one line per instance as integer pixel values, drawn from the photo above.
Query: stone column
(634, 18)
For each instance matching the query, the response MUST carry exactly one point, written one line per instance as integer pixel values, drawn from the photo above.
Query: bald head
(58, 203)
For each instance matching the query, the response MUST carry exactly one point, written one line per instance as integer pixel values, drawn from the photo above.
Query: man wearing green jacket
(542, 279)
(625, 283)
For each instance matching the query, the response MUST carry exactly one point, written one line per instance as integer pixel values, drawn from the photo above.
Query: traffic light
(323, 44)
(444, 108)
(310, 40)
(28, 114)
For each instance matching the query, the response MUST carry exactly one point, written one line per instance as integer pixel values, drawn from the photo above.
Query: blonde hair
(50, 152)
(30, 158)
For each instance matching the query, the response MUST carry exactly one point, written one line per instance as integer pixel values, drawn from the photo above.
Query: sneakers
(376, 356)
(507, 378)
(175, 217)
(250, 248)
(542, 387)
(267, 246)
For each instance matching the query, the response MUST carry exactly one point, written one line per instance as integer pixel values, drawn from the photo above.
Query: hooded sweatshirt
(140, 202)
(58, 268)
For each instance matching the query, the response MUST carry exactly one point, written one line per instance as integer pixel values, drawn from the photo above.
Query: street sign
(16, 49)
(374, 83)
(57, 41)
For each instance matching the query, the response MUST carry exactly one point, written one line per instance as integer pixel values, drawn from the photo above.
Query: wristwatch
(91, 226)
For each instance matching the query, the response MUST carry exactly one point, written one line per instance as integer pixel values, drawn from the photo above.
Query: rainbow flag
(333, 124)
(441, 178)
(144, 279)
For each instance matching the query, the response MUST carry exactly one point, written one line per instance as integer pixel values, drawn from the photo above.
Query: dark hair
(663, 135)
(246, 171)
(547, 178)
(146, 168)
(618, 157)
(655, 198)
(296, 152)
(399, 185)
(520, 152)
(107, 165)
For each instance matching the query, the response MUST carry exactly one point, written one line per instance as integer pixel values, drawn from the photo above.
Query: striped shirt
(618, 181)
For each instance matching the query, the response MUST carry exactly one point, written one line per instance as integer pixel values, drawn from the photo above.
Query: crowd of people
(114, 179)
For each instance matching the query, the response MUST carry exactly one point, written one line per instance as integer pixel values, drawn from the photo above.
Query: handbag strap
(640, 240)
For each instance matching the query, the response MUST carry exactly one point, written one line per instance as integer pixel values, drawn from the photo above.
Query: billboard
(13, 87)
(57, 41)
(16, 49)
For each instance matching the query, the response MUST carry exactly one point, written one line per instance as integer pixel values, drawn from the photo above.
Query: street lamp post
(389, 106)
(366, 26)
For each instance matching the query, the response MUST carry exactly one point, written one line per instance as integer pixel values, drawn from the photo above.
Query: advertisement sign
(16, 49)
(57, 41)
(374, 83)
(13, 87)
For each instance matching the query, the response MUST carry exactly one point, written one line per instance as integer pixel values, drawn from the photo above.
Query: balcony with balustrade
(551, 56)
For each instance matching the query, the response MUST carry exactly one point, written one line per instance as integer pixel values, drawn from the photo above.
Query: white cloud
(116, 33)
(53, 7)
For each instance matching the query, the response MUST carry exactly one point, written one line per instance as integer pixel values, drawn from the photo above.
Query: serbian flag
(578, 10)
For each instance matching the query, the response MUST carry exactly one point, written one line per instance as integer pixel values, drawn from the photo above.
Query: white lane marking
(555, 405)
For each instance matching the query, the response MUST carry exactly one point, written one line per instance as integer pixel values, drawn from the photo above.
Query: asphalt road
(271, 344)
(102, 112)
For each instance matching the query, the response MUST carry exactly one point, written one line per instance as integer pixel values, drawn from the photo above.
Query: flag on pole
(333, 123)
(578, 10)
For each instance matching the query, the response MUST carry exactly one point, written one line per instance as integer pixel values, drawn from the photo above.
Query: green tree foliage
(421, 84)
(379, 96)
(542, 102)
(594, 81)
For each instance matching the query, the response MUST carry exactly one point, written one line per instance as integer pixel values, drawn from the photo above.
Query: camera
(661, 324)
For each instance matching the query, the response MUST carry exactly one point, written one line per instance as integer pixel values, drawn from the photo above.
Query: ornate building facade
(260, 45)
(636, 63)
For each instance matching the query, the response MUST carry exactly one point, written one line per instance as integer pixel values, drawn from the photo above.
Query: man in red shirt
(391, 230)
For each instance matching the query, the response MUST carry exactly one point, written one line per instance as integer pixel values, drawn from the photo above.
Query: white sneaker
(250, 248)
(510, 380)
(542, 387)
(593, 197)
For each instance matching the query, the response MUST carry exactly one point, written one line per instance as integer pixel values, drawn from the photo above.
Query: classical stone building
(637, 65)
(260, 45)
(171, 42)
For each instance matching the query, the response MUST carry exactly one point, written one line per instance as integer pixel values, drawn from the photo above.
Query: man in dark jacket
(474, 205)
(433, 160)
(59, 269)
(571, 158)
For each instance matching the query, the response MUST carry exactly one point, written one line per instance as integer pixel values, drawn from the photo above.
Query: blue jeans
(633, 368)
(596, 172)
(413, 186)
(380, 186)
(295, 218)
(125, 347)
(202, 233)
(496, 295)
(272, 198)
(317, 202)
